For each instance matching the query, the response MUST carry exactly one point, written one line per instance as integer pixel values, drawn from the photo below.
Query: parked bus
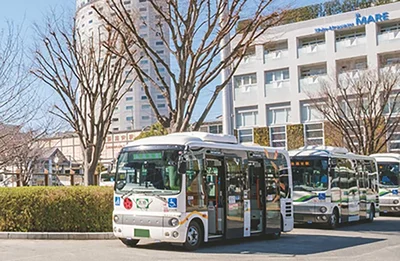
(389, 182)
(189, 188)
(106, 178)
(332, 186)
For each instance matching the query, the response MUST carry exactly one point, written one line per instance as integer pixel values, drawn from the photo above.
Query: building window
(314, 134)
(115, 129)
(128, 108)
(246, 118)
(278, 114)
(215, 129)
(115, 119)
(144, 62)
(393, 105)
(245, 135)
(90, 21)
(143, 98)
(159, 43)
(160, 97)
(145, 106)
(245, 81)
(129, 118)
(160, 51)
(310, 113)
(143, 9)
(145, 118)
(276, 78)
(278, 136)
(143, 26)
(161, 105)
(127, 2)
(129, 98)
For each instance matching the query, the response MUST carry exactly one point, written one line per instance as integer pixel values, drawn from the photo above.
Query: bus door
(235, 184)
(215, 182)
(256, 195)
(272, 197)
(354, 197)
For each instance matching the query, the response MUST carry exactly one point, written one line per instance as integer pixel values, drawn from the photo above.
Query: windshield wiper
(151, 193)
(128, 193)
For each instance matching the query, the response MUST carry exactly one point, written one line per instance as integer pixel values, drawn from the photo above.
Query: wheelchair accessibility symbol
(172, 203)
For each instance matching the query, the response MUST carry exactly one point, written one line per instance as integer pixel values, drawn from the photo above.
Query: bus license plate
(141, 233)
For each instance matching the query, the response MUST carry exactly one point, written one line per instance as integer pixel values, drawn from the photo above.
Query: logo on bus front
(395, 192)
(143, 203)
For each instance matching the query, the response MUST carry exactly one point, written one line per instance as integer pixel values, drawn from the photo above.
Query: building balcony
(278, 85)
(312, 83)
(351, 43)
(393, 36)
(245, 94)
(311, 50)
(348, 78)
(275, 55)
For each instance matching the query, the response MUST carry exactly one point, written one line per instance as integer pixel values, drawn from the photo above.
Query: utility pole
(227, 99)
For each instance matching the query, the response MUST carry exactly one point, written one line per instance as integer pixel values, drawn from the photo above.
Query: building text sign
(360, 20)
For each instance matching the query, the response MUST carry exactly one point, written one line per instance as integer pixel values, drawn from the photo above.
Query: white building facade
(134, 111)
(271, 84)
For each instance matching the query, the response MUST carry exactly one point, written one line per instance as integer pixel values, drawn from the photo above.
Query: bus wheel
(194, 236)
(333, 220)
(129, 242)
(371, 213)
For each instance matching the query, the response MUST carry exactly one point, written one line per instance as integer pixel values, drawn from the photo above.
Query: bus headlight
(116, 218)
(174, 222)
(323, 209)
(396, 201)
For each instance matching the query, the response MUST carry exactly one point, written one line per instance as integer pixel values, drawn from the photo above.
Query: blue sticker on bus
(172, 203)
(321, 196)
(117, 201)
(395, 192)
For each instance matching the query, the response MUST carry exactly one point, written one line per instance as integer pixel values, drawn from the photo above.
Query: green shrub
(56, 209)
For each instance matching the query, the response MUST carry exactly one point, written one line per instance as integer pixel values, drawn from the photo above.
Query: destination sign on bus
(147, 156)
(300, 163)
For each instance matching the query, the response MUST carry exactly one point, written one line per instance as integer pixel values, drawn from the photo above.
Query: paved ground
(363, 241)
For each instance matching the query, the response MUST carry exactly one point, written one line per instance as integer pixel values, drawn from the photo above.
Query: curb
(57, 235)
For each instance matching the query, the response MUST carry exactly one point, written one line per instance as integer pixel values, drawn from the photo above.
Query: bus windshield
(310, 175)
(152, 172)
(389, 174)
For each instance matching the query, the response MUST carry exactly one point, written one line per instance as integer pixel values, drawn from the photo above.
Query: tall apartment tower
(134, 112)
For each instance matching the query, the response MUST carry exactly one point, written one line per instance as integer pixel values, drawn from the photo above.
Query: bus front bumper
(162, 234)
(308, 218)
(389, 208)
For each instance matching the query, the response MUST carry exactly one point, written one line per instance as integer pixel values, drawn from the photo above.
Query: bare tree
(89, 80)
(363, 107)
(195, 33)
(18, 100)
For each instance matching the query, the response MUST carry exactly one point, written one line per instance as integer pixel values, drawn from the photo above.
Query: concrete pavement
(379, 240)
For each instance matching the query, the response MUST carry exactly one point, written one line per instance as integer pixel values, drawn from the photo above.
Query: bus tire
(194, 236)
(333, 221)
(129, 242)
(371, 213)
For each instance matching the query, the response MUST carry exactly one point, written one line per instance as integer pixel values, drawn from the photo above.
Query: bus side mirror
(182, 167)
(333, 163)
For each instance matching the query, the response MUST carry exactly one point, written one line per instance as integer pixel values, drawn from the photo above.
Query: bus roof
(325, 151)
(201, 139)
(386, 157)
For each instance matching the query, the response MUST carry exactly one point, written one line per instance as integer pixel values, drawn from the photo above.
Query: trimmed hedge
(56, 209)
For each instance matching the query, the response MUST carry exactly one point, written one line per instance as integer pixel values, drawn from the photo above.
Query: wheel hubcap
(192, 236)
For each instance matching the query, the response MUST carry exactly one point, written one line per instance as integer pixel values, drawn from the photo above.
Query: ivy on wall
(295, 136)
(333, 136)
(261, 136)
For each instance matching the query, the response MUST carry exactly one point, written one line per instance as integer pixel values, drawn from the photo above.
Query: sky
(28, 12)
